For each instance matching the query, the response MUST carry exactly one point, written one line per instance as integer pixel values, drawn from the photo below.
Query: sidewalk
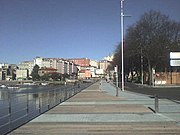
(96, 111)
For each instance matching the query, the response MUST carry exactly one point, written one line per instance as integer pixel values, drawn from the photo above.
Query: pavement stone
(97, 111)
(103, 118)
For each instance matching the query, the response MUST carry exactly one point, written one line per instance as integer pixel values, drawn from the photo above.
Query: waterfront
(96, 110)
(19, 106)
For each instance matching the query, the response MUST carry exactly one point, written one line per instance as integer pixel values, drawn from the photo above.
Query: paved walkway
(96, 111)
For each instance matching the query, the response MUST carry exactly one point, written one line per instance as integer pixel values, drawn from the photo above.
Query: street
(172, 93)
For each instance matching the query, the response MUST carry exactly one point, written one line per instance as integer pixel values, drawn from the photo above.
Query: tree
(34, 74)
(153, 37)
(45, 77)
(56, 76)
(65, 76)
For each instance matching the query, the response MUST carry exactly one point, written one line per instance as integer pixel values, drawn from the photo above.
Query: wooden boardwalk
(94, 112)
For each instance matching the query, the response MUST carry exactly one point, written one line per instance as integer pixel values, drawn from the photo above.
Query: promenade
(97, 111)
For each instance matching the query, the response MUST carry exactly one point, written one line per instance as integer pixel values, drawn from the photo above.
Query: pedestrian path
(167, 107)
(96, 111)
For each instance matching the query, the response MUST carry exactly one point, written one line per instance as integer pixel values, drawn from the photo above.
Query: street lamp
(122, 43)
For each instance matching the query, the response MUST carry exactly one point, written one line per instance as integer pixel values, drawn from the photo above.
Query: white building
(104, 65)
(94, 63)
(92, 70)
(22, 74)
(27, 65)
(100, 72)
(38, 61)
(62, 66)
(1, 74)
(4, 65)
(46, 63)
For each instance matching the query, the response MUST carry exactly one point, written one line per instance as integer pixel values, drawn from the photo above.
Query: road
(172, 93)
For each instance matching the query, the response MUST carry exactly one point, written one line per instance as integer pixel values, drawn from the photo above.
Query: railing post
(27, 106)
(65, 93)
(156, 104)
(60, 95)
(9, 110)
(48, 100)
(54, 97)
(39, 104)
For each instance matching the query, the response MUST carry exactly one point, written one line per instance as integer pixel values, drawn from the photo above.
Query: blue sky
(69, 28)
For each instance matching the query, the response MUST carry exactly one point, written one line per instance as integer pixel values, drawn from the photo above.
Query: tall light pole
(142, 72)
(122, 43)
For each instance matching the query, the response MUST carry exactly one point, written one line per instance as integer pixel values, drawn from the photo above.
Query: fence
(20, 108)
(167, 78)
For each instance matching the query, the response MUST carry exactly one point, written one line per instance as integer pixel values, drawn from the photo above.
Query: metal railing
(20, 108)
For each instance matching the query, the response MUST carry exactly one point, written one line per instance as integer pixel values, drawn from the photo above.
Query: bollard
(39, 105)
(116, 91)
(156, 104)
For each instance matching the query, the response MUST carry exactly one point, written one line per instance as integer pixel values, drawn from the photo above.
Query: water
(18, 106)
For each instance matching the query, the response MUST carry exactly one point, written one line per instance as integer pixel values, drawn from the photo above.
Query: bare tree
(153, 37)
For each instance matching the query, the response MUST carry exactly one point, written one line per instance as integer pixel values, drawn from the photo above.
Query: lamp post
(142, 71)
(122, 43)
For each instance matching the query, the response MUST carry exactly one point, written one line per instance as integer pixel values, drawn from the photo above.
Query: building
(38, 61)
(103, 64)
(94, 63)
(1, 75)
(92, 69)
(22, 74)
(84, 74)
(4, 65)
(80, 61)
(45, 70)
(29, 65)
(62, 66)
(4, 70)
(75, 68)
(7, 71)
(100, 72)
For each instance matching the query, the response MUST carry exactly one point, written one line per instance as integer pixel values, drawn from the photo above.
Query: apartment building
(104, 65)
(62, 66)
(1, 75)
(84, 74)
(80, 61)
(3, 70)
(94, 63)
(92, 70)
(7, 71)
(29, 65)
(22, 74)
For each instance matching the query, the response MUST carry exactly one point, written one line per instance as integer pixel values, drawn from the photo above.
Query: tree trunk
(132, 76)
(150, 73)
